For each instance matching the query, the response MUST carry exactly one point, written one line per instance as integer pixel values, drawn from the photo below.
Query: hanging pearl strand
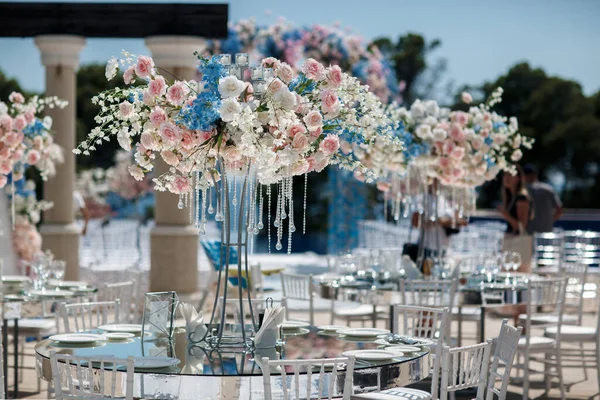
(260, 211)
(269, 217)
(291, 226)
(304, 205)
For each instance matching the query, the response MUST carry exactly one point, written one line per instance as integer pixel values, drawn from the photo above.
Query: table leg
(16, 349)
(374, 316)
(482, 326)
(5, 355)
(391, 319)
(460, 321)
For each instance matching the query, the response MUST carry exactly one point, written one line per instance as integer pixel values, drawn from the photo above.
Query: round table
(236, 373)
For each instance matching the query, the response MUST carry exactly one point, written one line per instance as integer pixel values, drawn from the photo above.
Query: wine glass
(58, 270)
(515, 259)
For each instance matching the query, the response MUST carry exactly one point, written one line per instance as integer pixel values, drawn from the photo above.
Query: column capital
(175, 51)
(60, 49)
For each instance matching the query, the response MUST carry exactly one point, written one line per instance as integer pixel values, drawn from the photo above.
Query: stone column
(173, 241)
(60, 233)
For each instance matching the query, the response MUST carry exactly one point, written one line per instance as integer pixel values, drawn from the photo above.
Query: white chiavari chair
(324, 378)
(122, 291)
(80, 317)
(545, 301)
(298, 288)
(96, 378)
(548, 250)
(502, 361)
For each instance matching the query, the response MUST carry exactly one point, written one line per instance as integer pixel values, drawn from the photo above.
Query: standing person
(548, 207)
(517, 210)
(79, 206)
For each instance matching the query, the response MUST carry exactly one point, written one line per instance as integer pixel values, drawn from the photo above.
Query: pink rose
(329, 145)
(448, 147)
(334, 76)
(158, 116)
(458, 173)
(296, 129)
(125, 109)
(457, 133)
(460, 117)
(17, 154)
(275, 86)
(157, 87)
(313, 69)
(16, 97)
(466, 97)
(270, 62)
(170, 157)
(285, 72)
(11, 139)
(458, 153)
(6, 167)
(484, 133)
(330, 101)
(177, 93)
(144, 66)
(136, 172)
(486, 116)
(232, 154)
(316, 133)
(29, 116)
(187, 140)
(4, 153)
(180, 185)
(205, 136)
(383, 186)
(3, 181)
(300, 167)
(444, 162)
(321, 164)
(148, 141)
(313, 120)
(169, 132)
(20, 123)
(439, 147)
(128, 75)
(6, 122)
(300, 141)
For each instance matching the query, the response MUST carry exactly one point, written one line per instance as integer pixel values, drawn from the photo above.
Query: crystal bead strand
(269, 216)
(203, 221)
(279, 221)
(197, 198)
(180, 203)
(211, 210)
(234, 202)
(304, 206)
(260, 209)
(291, 226)
(220, 194)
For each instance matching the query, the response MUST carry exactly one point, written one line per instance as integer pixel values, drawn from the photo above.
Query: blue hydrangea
(35, 129)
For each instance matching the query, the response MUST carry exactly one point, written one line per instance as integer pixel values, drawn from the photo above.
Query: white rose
(230, 86)
(432, 108)
(516, 155)
(439, 134)
(417, 110)
(424, 131)
(284, 99)
(123, 140)
(230, 108)
(112, 67)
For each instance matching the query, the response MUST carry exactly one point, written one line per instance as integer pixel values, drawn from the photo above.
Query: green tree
(9, 85)
(409, 56)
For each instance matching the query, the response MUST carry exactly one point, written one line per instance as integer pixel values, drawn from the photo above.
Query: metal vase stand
(216, 337)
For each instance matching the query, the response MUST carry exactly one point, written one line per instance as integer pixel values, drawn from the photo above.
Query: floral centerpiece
(283, 124)
(25, 138)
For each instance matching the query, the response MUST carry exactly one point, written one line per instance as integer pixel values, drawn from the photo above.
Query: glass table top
(303, 343)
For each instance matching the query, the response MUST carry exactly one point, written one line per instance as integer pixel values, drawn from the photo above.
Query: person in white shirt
(79, 207)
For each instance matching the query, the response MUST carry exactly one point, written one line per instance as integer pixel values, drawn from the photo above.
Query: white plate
(403, 348)
(294, 324)
(15, 279)
(331, 328)
(51, 293)
(129, 328)
(363, 332)
(118, 335)
(75, 338)
(155, 362)
(57, 283)
(371, 355)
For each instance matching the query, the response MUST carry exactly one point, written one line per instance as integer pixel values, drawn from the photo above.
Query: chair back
(465, 367)
(80, 317)
(582, 246)
(504, 355)
(548, 249)
(427, 323)
(322, 378)
(429, 293)
(545, 304)
(122, 291)
(298, 287)
(95, 378)
(576, 274)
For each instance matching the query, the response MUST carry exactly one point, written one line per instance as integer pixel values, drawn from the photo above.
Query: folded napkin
(194, 363)
(268, 333)
(410, 268)
(195, 328)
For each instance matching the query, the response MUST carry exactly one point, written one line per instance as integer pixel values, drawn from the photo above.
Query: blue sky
(480, 39)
